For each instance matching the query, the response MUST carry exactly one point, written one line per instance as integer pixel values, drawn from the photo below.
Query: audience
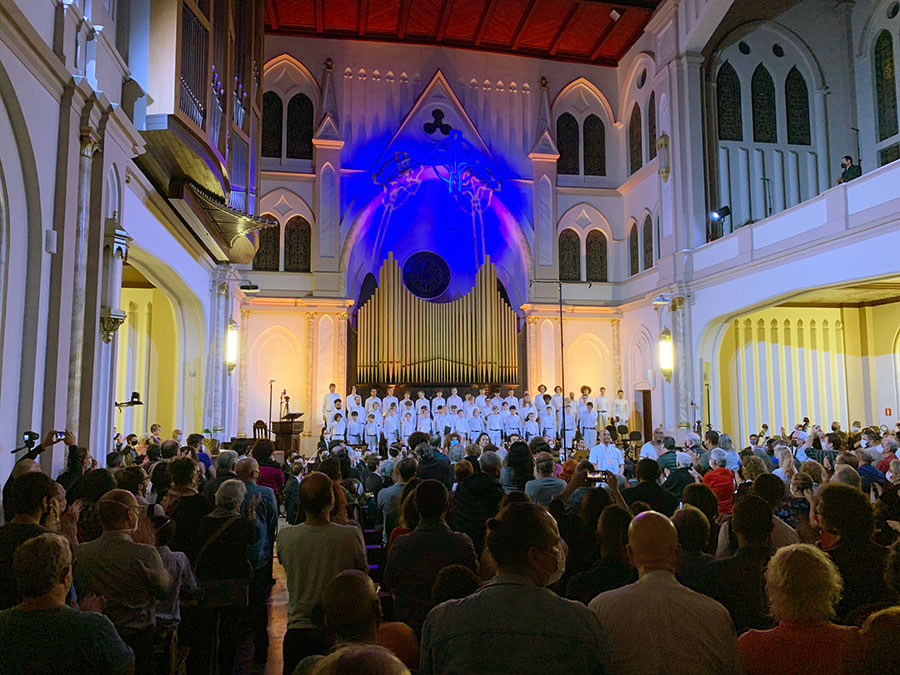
(681, 476)
(803, 587)
(415, 559)
(541, 632)
(270, 473)
(477, 500)
(720, 480)
(649, 490)
(545, 487)
(184, 504)
(224, 471)
(612, 569)
(705, 500)
(771, 489)
(693, 534)
(656, 625)
(41, 634)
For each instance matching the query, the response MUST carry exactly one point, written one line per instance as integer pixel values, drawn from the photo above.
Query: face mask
(454, 442)
(855, 428)
(863, 443)
(560, 566)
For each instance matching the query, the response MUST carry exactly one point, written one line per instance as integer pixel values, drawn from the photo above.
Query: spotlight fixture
(720, 213)
(615, 14)
(249, 289)
(133, 401)
(661, 301)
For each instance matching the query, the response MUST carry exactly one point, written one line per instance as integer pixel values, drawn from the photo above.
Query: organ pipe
(404, 339)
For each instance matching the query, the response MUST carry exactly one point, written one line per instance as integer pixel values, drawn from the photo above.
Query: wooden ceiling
(583, 31)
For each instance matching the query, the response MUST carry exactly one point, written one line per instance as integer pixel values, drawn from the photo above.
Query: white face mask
(863, 443)
(560, 565)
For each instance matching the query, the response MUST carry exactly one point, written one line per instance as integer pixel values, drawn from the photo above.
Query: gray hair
(683, 460)
(694, 437)
(38, 562)
(846, 474)
(718, 457)
(230, 494)
(545, 467)
(725, 442)
(490, 460)
(227, 459)
(386, 468)
(890, 443)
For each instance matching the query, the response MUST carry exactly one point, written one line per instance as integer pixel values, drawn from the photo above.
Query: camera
(58, 436)
(30, 437)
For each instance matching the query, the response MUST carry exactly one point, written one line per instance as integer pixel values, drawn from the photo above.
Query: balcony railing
(194, 67)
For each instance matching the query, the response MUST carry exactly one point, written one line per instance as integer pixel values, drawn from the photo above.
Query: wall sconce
(662, 153)
(232, 347)
(666, 354)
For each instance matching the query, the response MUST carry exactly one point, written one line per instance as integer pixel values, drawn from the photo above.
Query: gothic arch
(569, 94)
(589, 356)
(641, 357)
(286, 75)
(113, 193)
(285, 204)
(632, 94)
(582, 218)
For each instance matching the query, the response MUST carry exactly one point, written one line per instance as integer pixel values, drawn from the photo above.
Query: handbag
(221, 592)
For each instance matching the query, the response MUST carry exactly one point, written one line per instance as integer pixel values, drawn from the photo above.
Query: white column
(244, 368)
(313, 412)
(617, 354)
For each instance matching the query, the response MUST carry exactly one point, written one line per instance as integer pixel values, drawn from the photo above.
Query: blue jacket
(260, 553)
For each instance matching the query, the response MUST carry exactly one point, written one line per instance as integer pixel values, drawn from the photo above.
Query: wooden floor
(277, 620)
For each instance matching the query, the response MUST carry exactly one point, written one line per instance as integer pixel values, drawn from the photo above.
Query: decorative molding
(110, 320)
(617, 353)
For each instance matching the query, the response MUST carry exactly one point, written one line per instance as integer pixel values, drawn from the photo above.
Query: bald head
(117, 510)
(24, 466)
(247, 468)
(352, 607)
(653, 543)
(316, 494)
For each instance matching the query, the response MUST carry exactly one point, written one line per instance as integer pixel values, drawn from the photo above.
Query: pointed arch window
(594, 146)
(272, 122)
(885, 86)
(635, 147)
(633, 259)
(297, 245)
(647, 239)
(595, 256)
(762, 90)
(651, 126)
(569, 256)
(300, 127)
(728, 104)
(266, 258)
(567, 144)
(796, 97)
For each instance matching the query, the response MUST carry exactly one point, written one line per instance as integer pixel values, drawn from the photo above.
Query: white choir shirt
(476, 426)
(422, 404)
(602, 404)
(386, 403)
(454, 401)
(461, 426)
(481, 401)
(527, 408)
(371, 401)
(337, 430)
(620, 408)
(436, 403)
(334, 412)
(607, 458)
(425, 424)
(407, 427)
(557, 402)
(328, 403)
(588, 419)
(513, 401)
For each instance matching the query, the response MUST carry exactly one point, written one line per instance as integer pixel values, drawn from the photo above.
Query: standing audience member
(541, 632)
(649, 490)
(430, 466)
(78, 463)
(181, 580)
(720, 480)
(224, 471)
(185, 505)
(130, 576)
(95, 484)
(681, 476)
(312, 554)
(656, 625)
(803, 586)
(612, 570)
(416, 558)
(771, 489)
(545, 487)
(270, 473)
(81, 642)
(477, 500)
(693, 535)
(703, 498)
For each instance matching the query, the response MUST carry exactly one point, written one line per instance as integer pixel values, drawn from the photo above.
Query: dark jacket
(861, 564)
(477, 500)
(436, 469)
(738, 583)
(677, 481)
(413, 565)
(209, 490)
(652, 493)
(606, 575)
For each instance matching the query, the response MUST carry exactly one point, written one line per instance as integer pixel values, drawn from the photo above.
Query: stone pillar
(686, 85)
(312, 406)
(682, 372)
(617, 355)
(89, 145)
(543, 156)
(340, 351)
(244, 367)
(217, 378)
(532, 342)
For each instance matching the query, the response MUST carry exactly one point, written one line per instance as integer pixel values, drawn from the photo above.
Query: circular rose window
(426, 275)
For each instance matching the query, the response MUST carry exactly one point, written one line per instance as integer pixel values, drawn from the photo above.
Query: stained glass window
(889, 154)
(633, 251)
(885, 86)
(569, 256)
(272, 118)
(266, 259)
(567, 144)
(647, 236)
(300, 127)
(297, 245)
(635, 146)
(762, 90)
(594, 146)
(595, 254)
(651, 126)
(728, 104)
(796, 96)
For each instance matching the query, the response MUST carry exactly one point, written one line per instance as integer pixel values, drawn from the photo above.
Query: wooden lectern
(287, 433)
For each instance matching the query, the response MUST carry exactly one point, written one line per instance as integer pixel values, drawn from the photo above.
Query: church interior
(221, 216)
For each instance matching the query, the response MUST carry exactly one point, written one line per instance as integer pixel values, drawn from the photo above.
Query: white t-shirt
(649, 451)
(312, 557)
(607, 457)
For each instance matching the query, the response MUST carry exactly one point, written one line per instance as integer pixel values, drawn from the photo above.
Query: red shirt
(721, 481)
(885, 464)
(793, 649)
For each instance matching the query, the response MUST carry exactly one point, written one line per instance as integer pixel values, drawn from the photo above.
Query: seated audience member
(737, 582)
(656, 625)
(352, 614)
(545, 487)
(541, 632)
(877, 649)
(360, 660)
(649, 490)
(803, 586)
(845, 512)
(30, 499)
(224, 471)
(270, 473)
(312, 554)
(477, 500)
(889, 444)
(705, 499)
(612, 570)
(80, 642)
(185, 505)
(680, 477)
(452, 583)
(130, 576)
(431, 467)
(771, 489)
(416, 558)
(693, 533)
(720, 480)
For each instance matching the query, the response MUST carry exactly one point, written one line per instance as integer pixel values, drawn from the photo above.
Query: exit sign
(887, 412)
